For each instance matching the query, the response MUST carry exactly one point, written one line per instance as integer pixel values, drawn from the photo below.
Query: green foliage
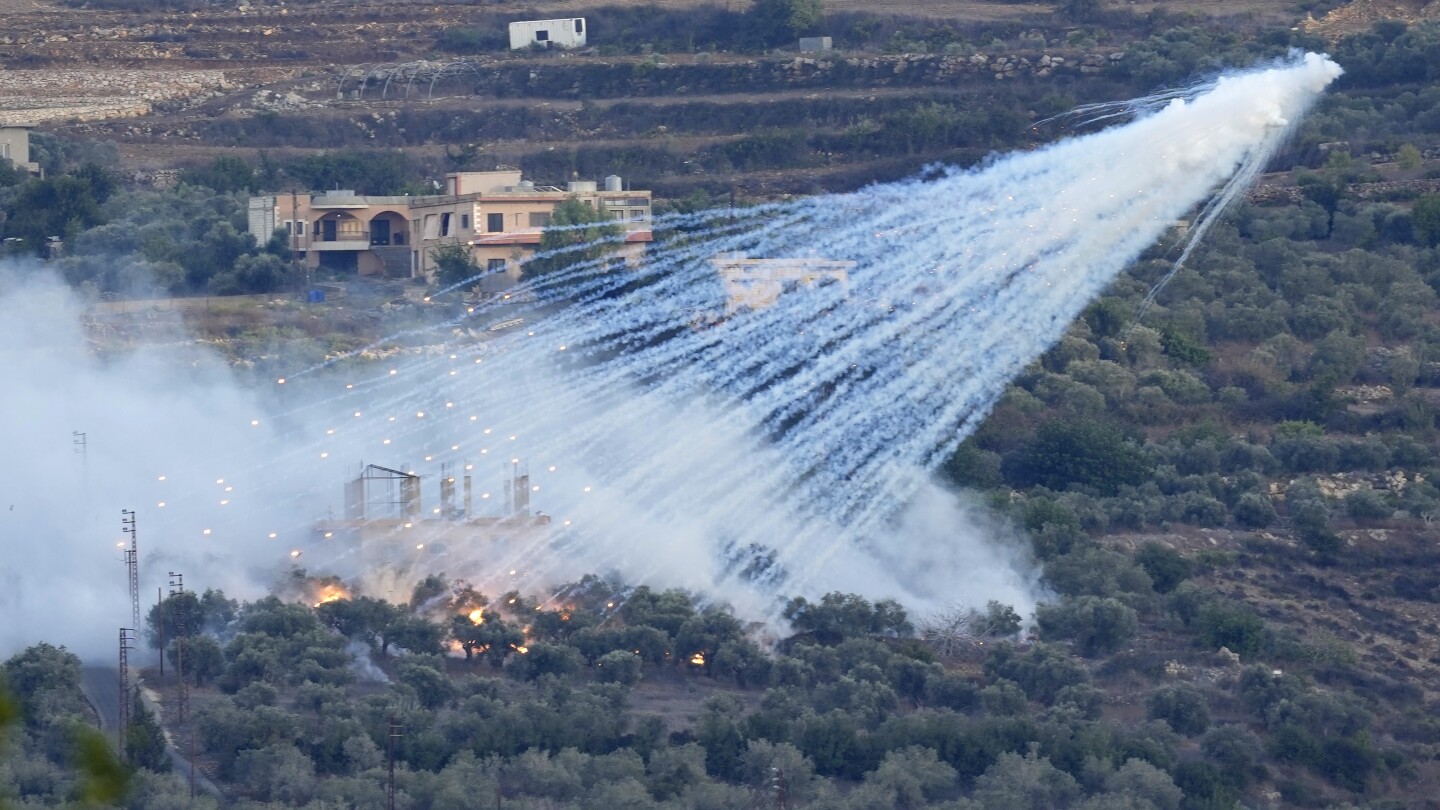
(467, 40)
(973, 467)
(578, 234)
(103, 778)
(1222, 623)
(1254, 510)
(373, 171)
(1042, 671)
(1425, 219)
(546, 659)
(225, 173)
(1166, 567)
(1182, 706)
(1098, 625)
(144, 740)
(1081, 452)
(840, 616)
(1183, 347)
(453, 264)
(781, 21)
(45, 680)
(618, 666)
(60, 206)
(1025, 783)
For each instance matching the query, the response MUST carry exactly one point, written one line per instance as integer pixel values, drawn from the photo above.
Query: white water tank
(612, 183)
(527, 185)
(581, 186)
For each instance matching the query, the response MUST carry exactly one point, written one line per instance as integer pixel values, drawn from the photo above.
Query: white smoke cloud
(776, 453)
(144, 415)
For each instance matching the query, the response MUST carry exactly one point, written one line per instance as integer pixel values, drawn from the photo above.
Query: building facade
(569, 32)
(15, 147)
(497, 215)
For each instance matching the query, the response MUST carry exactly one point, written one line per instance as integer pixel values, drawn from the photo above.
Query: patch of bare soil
(1360, 15)
(675, 697)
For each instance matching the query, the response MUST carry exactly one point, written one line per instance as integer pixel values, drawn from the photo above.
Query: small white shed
(566, 33)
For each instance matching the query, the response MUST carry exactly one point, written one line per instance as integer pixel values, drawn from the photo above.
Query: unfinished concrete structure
(15, 147)
(386, 518)
(757, 283)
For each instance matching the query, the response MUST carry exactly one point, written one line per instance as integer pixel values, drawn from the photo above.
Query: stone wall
(30, 97)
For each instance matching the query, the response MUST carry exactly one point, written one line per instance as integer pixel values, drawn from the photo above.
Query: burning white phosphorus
(777, 452)
(785, 443)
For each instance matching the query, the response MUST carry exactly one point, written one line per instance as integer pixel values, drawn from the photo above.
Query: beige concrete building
(498, 215)
(15, 147)
(758, 283)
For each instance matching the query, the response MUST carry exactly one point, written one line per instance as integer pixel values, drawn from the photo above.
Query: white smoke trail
(784, 451)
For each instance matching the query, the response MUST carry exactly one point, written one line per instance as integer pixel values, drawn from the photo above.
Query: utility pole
(392, 734)
(190, 755)
(78, 439)
(160, 607)
(122, 725)
(295, 239)
(182, 689)
(777, 783)
(132, 561)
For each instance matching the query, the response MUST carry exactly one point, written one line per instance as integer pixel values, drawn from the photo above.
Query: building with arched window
(497, 215)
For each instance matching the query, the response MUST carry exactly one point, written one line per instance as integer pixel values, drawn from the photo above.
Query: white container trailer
(566, 33)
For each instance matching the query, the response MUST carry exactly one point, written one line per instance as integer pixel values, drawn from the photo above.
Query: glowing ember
(698, 659)
(478, 615)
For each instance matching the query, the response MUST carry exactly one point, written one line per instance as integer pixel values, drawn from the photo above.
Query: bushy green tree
(1166, 567)
(778, 22)
(1017, 782)
(578, 233)
(453, 264)
(144, 739)
(1183, 707)
(1084, 453)
(839, 616)
(1098, 625)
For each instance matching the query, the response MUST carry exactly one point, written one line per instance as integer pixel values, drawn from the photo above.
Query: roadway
(101, 686)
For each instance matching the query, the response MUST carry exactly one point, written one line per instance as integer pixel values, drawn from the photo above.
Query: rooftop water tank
(581, 186)
(527, 185)
(612, 183)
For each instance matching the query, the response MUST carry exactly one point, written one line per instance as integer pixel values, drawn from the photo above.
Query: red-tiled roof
(507, 239)
(534, 238)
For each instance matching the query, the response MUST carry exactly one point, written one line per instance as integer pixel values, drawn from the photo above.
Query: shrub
(1230, 625)
(1182, 706)
(1097, 625)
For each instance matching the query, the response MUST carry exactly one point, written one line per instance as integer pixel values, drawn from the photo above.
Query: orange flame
(698, 659)
(330, 594)
(477, 616)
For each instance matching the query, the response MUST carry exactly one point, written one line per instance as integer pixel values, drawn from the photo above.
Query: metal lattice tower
(778, 786)
(122, 726)
(393, 733)
(182, 689)
(132, 562)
